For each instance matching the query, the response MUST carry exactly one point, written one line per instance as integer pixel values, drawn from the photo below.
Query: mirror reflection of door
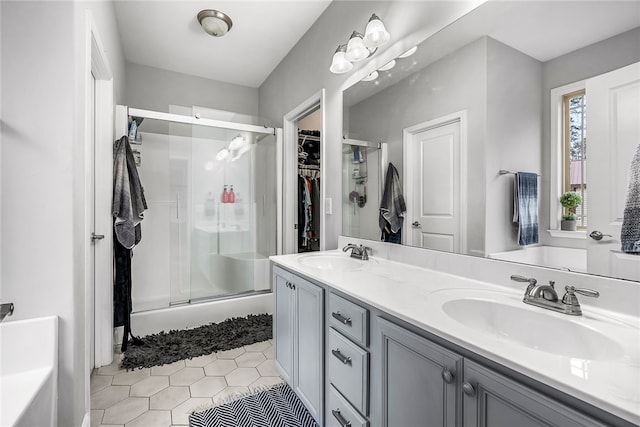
(434, 178)
(614, 135)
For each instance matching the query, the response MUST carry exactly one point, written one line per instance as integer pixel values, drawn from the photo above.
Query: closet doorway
(303, 201)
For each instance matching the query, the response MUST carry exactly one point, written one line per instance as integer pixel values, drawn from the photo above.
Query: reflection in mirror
(507, 87)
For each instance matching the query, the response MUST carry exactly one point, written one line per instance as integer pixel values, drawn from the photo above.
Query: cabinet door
(308, 346)
(419, 379)
(493, 400)
(283, 326)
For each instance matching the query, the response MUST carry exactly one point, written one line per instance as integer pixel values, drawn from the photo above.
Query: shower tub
(547, 256)
(202, 260)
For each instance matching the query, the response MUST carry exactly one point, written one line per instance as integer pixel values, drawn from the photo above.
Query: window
(574, 174)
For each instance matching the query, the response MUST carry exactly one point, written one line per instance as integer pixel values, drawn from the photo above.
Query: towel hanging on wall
(525, 207)
(630, 232)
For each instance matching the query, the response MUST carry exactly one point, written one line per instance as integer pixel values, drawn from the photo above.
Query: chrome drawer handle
(338, 416)
(340, 318)
(341, 357)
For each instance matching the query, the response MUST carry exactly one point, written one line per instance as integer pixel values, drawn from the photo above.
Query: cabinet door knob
(338, 416)
(468, 389)
(447, 376)
(341, 357)
(288, 285)
(340, 318)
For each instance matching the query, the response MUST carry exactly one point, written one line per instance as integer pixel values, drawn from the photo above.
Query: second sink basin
(336, 262)
(503, 318)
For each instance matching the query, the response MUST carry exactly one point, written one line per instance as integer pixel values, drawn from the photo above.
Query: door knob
(416, 224)
(598, 235)
(468, 389)
(447, 376)
(95, 236)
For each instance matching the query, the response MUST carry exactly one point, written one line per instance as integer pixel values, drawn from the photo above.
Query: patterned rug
(169, 347)
(277, 406)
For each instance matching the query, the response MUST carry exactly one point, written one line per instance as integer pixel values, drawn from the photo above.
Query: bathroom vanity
(383, 343)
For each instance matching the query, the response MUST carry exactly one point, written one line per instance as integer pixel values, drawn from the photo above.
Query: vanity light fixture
(375, 35)
(389, 65)
(214, 22)
(360, 47)
(409, 52)
(356, 50)
(370, 77)
(339, 64)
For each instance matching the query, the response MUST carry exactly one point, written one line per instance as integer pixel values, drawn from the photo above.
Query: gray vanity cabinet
(417, 379)
(299, 337)
(492, 400)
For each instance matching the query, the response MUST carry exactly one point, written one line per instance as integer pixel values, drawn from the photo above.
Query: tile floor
(163, 396)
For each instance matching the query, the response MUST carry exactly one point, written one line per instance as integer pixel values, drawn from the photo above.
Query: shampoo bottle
(225, 195)
(232, 196)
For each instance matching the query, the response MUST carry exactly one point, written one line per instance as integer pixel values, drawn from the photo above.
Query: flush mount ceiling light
(339, 64)
(360, 47)
(409, 52)
(389, 65)
(214, 22)
(371, 77)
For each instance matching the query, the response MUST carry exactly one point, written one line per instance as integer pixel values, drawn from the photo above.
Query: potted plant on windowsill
(570, 201)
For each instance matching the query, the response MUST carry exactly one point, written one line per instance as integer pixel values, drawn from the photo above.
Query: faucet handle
(532, 282)
(570, 297)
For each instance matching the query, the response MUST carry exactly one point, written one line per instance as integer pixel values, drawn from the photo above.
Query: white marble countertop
(610, 381)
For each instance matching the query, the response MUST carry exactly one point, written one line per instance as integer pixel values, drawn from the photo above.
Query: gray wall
(513, 139)
(305, 71)
(42, 156)
(155, 89)
(590, 61)
(454, 83)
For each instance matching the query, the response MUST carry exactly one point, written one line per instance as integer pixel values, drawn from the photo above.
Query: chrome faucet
(545, 296)
(358, 251)
(6, 309)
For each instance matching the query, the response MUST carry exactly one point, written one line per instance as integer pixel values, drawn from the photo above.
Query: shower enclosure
(364, 164)
(200, 242)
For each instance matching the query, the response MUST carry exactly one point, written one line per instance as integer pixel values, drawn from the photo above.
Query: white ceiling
(167, 35)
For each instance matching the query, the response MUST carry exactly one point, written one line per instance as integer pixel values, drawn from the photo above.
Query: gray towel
(128, 195)
(525, 207)
(630, 232)
(392, 206)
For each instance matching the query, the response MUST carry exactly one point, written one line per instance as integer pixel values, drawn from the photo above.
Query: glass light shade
(214, 22)
(409, 52)
(375, 35)
(371, 77)
(356, 50)
(222, 154)
(237, 143)
(339, 64)
(389, 65)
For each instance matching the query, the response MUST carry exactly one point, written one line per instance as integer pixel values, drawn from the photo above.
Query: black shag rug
(277, 406)
(169, 347)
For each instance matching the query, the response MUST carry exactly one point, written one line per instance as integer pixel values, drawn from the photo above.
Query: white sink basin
(337, 262)
(495, 314)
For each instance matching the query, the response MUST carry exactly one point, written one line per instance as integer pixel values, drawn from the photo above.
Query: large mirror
(486, 125)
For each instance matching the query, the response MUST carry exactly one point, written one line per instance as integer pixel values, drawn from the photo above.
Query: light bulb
(356, 50)
(339, 64)
(375, 34)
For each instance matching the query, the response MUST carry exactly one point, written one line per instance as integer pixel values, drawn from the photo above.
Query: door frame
(101, 165)
(409, 152)
(289, 169)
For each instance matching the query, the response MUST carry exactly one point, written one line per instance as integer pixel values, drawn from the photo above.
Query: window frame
(566, 170)
(556, 176)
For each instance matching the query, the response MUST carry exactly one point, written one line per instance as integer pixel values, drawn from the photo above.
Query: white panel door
(435, 191)
(613, 101)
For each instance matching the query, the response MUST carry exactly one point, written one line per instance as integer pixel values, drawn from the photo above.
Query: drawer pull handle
(468, 389)
(338, 416)
(341, 357)
(340, 318)
(447, 376)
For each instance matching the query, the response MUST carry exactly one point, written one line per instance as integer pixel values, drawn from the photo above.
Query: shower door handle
(177, 206)
(95, 236)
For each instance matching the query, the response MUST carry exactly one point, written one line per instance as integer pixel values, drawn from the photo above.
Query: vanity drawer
(349, 318)
(349, 370)
(340, 413)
